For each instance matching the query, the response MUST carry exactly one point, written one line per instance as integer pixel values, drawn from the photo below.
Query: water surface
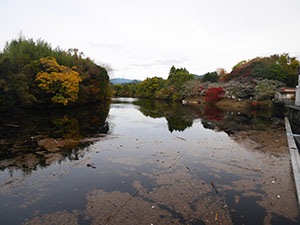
(145, 162)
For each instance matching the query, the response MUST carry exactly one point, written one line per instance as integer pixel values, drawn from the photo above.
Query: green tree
(177, 77)
(149, 87)
(211, 77)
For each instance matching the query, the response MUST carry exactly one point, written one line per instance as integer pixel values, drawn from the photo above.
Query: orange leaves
(50, 64)
(59, 81)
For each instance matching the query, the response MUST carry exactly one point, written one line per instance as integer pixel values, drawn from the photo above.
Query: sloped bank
(243, 104)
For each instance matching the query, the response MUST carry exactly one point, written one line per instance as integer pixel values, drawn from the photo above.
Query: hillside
(282, 68)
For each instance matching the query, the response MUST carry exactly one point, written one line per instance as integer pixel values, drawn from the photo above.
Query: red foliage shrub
(214, 94)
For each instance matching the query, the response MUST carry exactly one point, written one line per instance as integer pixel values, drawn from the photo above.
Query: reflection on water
(180, 116)
(41, 137)
(145, 162)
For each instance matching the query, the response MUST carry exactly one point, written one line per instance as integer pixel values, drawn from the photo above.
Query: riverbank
(234, 105)
(243, 104)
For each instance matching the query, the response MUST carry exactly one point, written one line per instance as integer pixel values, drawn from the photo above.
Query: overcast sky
(144, 38)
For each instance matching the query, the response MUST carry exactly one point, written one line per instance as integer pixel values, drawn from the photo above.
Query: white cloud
(141, 38)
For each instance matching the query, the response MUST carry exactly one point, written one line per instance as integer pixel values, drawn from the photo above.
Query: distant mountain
(198, 77)
(123, 81)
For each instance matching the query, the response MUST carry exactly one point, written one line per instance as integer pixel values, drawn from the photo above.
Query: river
(139, 161)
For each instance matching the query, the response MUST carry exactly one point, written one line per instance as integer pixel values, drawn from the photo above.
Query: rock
(49, 144)
(53, 145)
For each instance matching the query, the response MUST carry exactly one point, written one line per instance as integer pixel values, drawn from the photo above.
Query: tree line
(156, 87)
(258, 78)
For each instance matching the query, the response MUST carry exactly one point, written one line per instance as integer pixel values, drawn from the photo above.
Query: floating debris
(212, 184)
(181, 138)
(91, 165)
(11, 125)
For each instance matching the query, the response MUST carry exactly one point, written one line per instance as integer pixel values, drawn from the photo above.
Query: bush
(266, 89)
(214, 94)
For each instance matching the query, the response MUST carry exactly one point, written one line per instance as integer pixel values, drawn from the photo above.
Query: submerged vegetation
(33, 74)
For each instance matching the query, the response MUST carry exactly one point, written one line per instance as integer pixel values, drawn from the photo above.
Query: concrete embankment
(295, 158)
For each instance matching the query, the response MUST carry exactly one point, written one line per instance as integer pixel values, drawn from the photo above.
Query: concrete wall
(294, 116)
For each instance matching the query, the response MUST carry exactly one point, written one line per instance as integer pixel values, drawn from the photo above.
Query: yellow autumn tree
(58, 80)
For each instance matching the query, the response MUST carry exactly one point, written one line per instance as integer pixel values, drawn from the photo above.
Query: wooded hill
(282, 68)
(32, 73)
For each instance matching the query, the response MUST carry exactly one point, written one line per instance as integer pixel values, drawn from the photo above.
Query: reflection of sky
(124, 99)
(126, 119)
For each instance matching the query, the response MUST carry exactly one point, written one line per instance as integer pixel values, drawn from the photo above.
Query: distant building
(285, 95)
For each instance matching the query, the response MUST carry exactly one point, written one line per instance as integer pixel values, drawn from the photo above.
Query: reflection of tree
(81, 123)
(21, 133)
(230, 121)
(211, 112)
(67, 128)
(178, 123)
(208, 125)
(179, 117)
(153, 108)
